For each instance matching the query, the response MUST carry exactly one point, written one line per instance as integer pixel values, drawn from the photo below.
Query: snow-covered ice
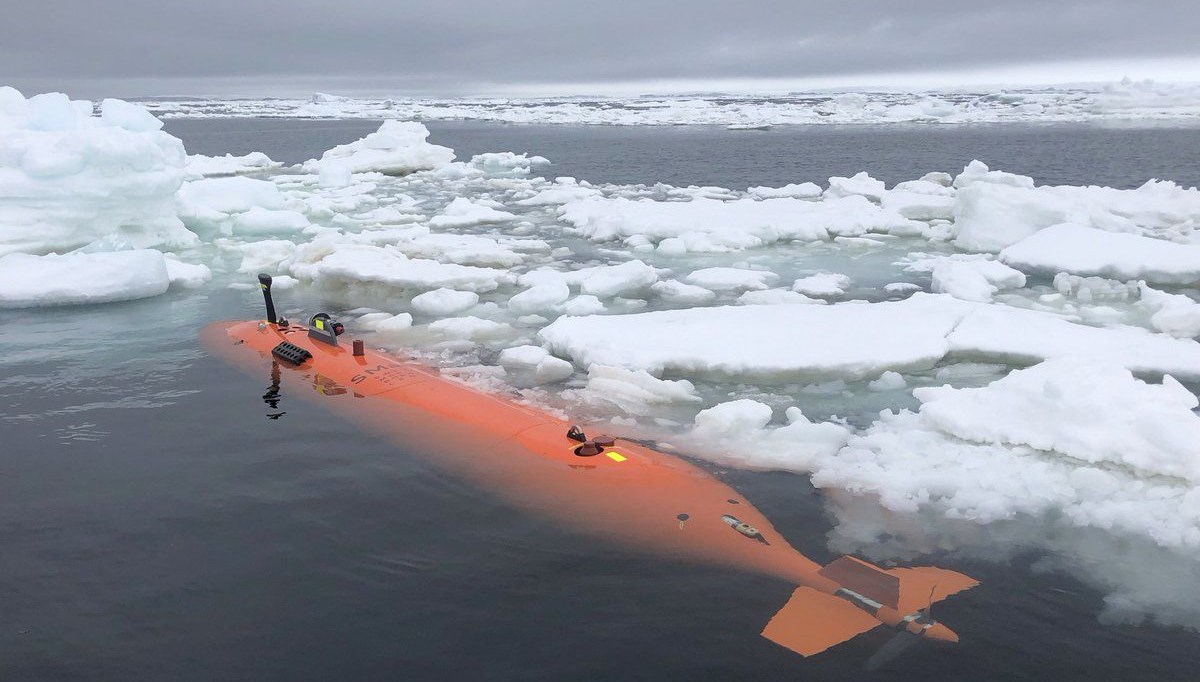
(398, 147)
(713, 225)
(444, 302)
(362, 264)
(780, 343)
(69, 178)
(1088, 251)
(200, 166)
(975, 279)
(731, 279)
(633, 392)
(463, 212)
(28, 281)
(822, 284)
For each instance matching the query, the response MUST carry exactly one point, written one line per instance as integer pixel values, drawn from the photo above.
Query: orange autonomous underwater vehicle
(605, 486)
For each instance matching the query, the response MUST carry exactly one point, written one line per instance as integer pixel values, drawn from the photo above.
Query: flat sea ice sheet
(28, 281)
(1087, 251)
(853, 340)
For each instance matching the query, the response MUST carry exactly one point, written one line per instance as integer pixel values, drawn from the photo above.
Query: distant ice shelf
(1123, 100)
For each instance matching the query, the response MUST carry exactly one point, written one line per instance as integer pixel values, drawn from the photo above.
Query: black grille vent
(290, 352)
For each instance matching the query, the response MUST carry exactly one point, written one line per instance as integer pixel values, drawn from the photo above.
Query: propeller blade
(891, 649)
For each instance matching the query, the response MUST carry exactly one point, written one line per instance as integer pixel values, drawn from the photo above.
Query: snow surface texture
(1111, 101)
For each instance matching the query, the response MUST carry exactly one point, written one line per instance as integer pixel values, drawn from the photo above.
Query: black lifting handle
(265, 281)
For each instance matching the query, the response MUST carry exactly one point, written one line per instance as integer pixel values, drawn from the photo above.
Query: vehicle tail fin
(920, 586)
(907, 590)
(811, 622)
(866, 579)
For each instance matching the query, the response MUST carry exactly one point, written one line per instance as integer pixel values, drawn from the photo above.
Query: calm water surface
(156, 524)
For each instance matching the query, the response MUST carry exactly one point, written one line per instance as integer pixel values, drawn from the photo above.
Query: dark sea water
(1062, 153)
(155, 524)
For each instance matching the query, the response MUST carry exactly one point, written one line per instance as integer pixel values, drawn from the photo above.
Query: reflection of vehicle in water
(272, 397)
(603, 485)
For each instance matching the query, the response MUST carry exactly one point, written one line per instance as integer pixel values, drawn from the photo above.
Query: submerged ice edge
(1125, 100)
(555, 289)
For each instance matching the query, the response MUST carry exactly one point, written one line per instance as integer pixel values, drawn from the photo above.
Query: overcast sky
(279, 47)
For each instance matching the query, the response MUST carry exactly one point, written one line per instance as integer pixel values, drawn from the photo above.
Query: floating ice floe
(463, 212)
(470, 328)
(532, 365)
(237, 205)
(711, 225)
(774, 297)
(780, 343)
(973, 279)
(359, 264)
(200, 166)
(506, 162)
(601, 281)
(920, 200)
(736, 433)
(1173, 314)
(444, 302)
(861, 184)
(540, 297)
(564, 190)
(822, 284)
(68, 178)
(731, 279)
(28, 281)
(1086, 441)
(674, 291)
(989, 216)
(398, 147)
(805, 190)
(1090, 252)
(633, 391)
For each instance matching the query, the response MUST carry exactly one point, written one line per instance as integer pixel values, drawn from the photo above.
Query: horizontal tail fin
(866, 579)
(922, 585)
(811, 622)
(907, 590)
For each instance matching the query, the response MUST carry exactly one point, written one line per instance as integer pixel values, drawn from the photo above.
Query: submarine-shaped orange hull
(609, 487)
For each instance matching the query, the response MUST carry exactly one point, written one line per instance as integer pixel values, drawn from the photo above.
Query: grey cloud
(457, 46)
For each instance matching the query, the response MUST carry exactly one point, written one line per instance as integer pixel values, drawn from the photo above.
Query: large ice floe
(853, 340)
(69, 177)
(953, 357)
